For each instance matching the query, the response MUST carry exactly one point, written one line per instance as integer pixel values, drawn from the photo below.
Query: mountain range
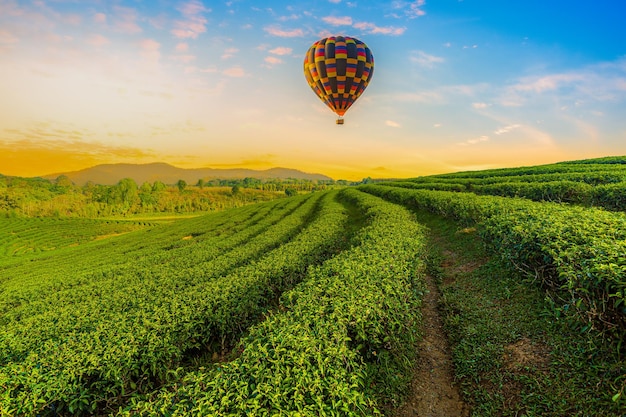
(110, 174)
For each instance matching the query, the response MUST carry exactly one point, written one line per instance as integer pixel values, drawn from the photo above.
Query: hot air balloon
(338, 69)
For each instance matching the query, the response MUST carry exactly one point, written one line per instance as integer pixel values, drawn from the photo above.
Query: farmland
(312, 304)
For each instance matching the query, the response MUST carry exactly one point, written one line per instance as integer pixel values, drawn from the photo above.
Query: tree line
(38, 197)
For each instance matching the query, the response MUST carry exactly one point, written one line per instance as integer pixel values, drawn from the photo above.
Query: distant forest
(38, 197)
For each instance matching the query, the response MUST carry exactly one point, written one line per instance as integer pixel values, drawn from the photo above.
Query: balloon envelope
(338, 69)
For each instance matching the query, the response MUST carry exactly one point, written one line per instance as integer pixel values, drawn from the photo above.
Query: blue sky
(457, 85)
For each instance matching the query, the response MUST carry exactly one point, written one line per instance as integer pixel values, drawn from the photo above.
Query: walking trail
(434, 392)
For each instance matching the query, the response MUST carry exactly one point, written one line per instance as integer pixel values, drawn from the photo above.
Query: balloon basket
(339, 121)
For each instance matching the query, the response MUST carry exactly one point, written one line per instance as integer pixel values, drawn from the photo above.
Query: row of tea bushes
(578, 253)
(341, 343)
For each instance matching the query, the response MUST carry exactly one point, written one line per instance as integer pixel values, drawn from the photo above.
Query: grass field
(314, 304)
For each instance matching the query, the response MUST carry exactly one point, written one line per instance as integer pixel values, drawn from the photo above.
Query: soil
(526, 354)
(433, 390)
(522, 357)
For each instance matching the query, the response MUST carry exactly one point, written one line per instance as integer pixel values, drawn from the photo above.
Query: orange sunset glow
(195, 85)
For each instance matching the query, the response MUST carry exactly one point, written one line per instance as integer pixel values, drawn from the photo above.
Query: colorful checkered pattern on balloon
(338, 69)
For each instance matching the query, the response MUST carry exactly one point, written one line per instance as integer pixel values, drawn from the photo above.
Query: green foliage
(30, 236)
(105, 334)
(610, 196)
(21, 197)
(511, 357)
(595, 182)
(342, 342)
(556, 191)
(441, 186)
(37, 197)
(63, 181)
(300, 306)
(577, 253)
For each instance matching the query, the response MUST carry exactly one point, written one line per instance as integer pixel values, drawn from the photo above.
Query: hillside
(109, 174)
(590, 182)
(447, 293)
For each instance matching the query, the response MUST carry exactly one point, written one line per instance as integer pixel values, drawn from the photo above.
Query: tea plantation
(307, 306)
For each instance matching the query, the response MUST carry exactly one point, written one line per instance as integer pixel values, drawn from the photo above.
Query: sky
(457, 85)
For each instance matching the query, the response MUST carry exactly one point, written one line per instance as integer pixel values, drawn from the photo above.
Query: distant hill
(110, 174)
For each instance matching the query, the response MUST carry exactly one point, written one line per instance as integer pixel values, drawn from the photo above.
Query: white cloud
(478, 140)
(229, 53)
(208, 70)
(272, 60)
(337, 20)
(425, 60)
(290, 17)
(479, 105)
(149, 45)
(192, 8)
(325, 34)
(372, 28)
(97, 40)
(411, 9)
(100, 18)
(182, 47)
(546, 83)
(440, 95)
(150, 49)
(415, 9)
(185, 59)
(7, 38)
(391, 123)
(10, 8)
(464, 89)
(281, 50)
(276, 31)
(194, 23)
(419, 97)
(125, 20)
(235, 72)
(602, 82)
(475, 141)
(506, 129)
(159, 22)
(72, 19)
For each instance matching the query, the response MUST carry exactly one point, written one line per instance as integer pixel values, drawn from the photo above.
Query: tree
(145, 194)
(158, 186)
(64, 181)
(251, 182)
(181, 184)
(235, 190)
(128, 191)
(200, 183)
(290, 192)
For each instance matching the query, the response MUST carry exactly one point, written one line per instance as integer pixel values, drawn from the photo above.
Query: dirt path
(433, 391)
